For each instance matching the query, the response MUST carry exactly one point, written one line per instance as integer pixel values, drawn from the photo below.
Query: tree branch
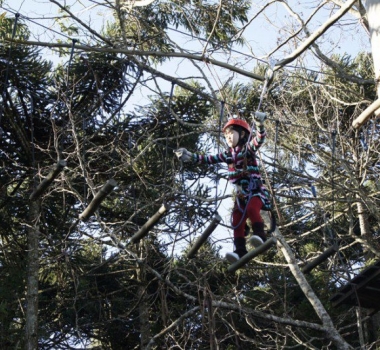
(132, 53)
(318, 33)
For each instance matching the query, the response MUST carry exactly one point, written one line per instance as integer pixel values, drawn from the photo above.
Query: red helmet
(237, 122)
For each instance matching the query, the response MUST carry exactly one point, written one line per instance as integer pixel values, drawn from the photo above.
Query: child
(244, 173)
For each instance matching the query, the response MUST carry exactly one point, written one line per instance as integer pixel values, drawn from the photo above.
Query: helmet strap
(241, 136)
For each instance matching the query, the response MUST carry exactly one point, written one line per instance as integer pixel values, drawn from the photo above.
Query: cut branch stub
(252, 254)
(366, 114)
(41, 188)
(149, 224)
(202, 238)
(320, 259)
(100, 196)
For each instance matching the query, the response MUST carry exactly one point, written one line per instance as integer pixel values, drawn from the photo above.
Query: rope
(275, 150)
(84, 155)
(218, 83)
(64, 128)
(333, 135)
(17, 15)
(116, 139)
(167, 140)
(222, 105)
(74, 41)
(131, 165)
(32, 142)
(242, 211)
(268, 80)
(270, 187)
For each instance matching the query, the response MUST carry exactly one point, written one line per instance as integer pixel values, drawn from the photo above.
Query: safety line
(17, 15)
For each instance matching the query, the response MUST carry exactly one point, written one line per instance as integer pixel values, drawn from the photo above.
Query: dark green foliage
(203, 19)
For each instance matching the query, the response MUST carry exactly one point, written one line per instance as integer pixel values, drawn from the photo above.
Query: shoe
(232, 257)
(256, 241)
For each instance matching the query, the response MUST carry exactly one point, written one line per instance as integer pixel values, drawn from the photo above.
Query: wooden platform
(363, 290)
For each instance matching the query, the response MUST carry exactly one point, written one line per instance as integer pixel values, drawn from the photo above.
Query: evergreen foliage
(95, 289)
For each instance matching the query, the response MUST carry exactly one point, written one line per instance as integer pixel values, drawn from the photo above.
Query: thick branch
(142, 53)
(331, 331)
(366, 114)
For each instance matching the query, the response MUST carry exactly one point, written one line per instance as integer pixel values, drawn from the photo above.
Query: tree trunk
(365, 232)
(143, 303)
(374, 328)
(319, 309)
(360, 327)
(31, 327)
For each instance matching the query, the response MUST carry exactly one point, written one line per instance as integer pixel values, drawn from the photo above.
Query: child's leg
(253, 212)
(238, 222)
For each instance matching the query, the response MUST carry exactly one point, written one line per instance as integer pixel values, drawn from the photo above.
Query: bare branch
(318, 33)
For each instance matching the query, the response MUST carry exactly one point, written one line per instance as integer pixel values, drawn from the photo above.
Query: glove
(259, 118)
(183, 155)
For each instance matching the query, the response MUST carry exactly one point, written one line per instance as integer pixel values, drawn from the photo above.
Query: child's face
(232, 137)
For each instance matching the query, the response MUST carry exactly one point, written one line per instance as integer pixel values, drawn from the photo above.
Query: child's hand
(259, 118)
(183, 154)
